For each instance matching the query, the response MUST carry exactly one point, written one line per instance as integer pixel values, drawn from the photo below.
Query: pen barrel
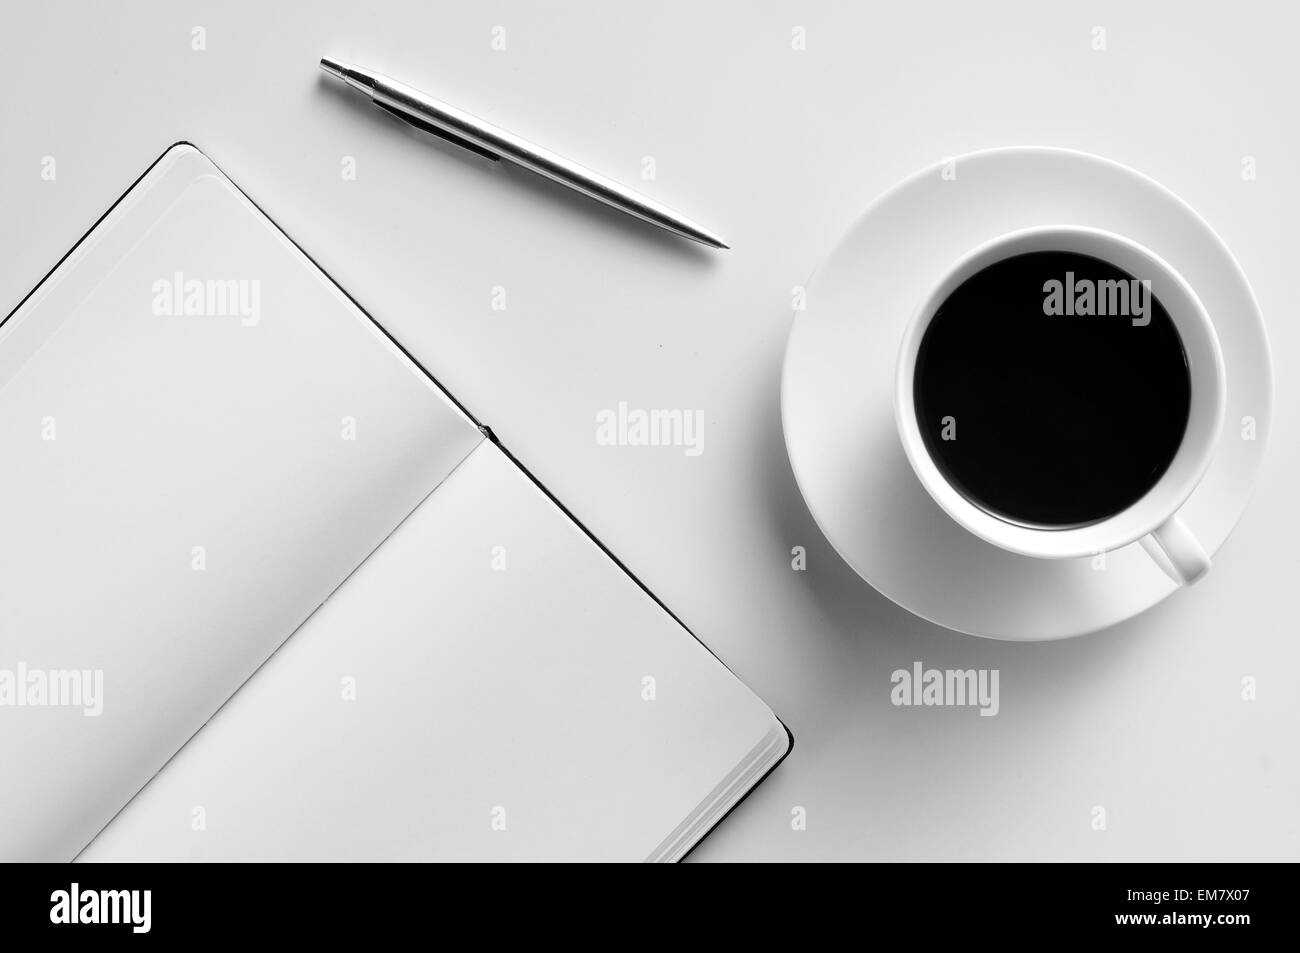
(483, 137)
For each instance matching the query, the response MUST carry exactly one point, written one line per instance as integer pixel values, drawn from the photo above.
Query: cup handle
(1177, 551)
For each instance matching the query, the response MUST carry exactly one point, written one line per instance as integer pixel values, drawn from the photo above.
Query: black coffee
(1052, 389)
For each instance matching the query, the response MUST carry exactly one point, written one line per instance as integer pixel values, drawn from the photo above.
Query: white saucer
(837, 392)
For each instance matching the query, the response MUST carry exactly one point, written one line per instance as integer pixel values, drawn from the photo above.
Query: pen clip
(440, 133)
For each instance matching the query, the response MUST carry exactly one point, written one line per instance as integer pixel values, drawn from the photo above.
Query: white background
(777, 150)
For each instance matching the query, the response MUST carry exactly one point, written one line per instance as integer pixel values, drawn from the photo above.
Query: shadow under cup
(1059, 394)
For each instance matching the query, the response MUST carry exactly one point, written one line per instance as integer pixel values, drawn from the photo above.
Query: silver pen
(441, 119)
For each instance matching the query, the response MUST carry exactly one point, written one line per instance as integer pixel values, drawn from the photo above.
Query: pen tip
(704, 237)
(331, 66)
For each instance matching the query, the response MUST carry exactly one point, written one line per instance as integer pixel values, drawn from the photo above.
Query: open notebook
(210, 448)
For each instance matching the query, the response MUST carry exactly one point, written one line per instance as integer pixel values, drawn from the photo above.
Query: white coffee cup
(1154, 518)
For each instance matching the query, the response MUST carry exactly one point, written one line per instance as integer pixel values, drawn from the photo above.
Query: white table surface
(778, 150)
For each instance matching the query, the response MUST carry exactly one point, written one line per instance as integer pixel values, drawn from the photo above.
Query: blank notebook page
(489, 685)
(184, 480)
